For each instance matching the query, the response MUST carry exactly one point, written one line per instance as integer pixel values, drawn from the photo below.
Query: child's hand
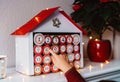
(60, 61)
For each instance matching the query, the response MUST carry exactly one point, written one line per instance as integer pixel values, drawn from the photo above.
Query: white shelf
(101, 71)
(97, 69)
(113, 68)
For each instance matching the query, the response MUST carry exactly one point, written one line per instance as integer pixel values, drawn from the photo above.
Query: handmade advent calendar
(51, 28)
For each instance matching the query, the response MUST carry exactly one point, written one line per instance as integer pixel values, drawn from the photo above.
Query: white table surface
(90, 69)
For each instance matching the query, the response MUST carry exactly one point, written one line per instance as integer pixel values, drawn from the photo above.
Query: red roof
(38, 19)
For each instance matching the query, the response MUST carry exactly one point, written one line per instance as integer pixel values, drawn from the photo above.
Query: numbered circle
(55, 40)
(77, 56)
(46, 68)
(69, 48)
(48, 40)
(46, 59)
(71, 57)
(69, 39)
(76, 48)
(38, 59)
(54, 68)
(39, 39)
(55, 48)
(37, 69)
(37, 49)
(62, 49)
(62, 39)
(46, 50)
(76, 39)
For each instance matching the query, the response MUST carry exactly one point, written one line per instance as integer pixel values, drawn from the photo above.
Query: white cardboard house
(51, 28)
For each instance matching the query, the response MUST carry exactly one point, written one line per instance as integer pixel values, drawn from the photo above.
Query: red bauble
(99, 50)
(76, 7)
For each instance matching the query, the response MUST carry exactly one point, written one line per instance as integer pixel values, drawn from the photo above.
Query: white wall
(14, 13)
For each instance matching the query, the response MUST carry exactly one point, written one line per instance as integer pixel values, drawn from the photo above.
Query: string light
(107, 62)
(101, 65)
(90, 68)
(90, 37)
(83, 43)
(61, 72)
(37, 19)
(43, 76)
(47, 8)
(96, 39)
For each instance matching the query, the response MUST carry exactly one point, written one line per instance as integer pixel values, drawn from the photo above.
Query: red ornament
(76, 7)
(99, 50)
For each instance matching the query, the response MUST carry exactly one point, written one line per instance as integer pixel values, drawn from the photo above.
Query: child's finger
(53, 59)
(54, 54)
